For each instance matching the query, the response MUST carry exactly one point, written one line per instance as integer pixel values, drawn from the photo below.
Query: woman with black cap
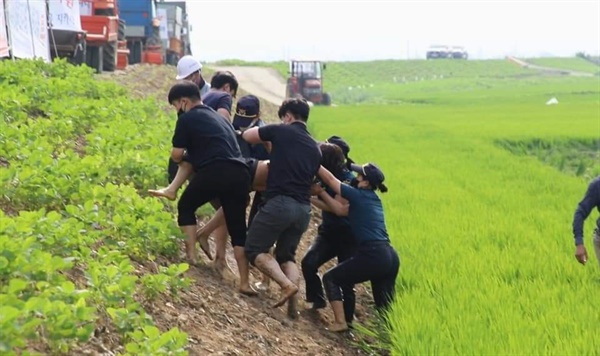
(375, 259)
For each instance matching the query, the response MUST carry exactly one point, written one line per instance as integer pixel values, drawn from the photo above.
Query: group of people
(224, 159)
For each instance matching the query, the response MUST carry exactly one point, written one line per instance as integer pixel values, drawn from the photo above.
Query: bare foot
(293, 307)
(338, 327)
(223, 268)
(163, 192)
(286, 293)
(204, 245)
(247, 290)
(190, 250)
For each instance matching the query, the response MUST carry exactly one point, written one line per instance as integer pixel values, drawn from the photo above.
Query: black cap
(371, 172)
(247, 109)
(338, 141)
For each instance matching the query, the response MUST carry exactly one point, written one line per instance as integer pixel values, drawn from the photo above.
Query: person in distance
(590, 201)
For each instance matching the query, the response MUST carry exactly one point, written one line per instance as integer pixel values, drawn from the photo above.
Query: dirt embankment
(218, 320)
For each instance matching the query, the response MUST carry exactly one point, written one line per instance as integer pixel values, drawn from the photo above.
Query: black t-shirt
(218, 100)
(295, 160)
(206, 137)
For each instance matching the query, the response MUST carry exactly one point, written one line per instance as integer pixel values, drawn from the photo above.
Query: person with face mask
(375, 259)
(334, 235)
(189, 68)
(220, 172)
(285, 214)
(223, 89)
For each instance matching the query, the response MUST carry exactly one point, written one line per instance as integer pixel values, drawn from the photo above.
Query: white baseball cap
(187, 65)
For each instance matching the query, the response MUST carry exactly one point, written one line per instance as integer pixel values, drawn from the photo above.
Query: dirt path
(218, 320)
(265, 83)
(550, 70)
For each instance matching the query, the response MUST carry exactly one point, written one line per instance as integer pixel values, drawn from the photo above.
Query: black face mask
(354, 183)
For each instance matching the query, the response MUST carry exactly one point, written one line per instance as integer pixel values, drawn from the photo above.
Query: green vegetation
(567, 63)
(484, 234)
(420, 82)
(483, 176)
(578, 157)
(76, 151)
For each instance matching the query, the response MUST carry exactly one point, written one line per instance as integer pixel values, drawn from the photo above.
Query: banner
(162, 16)
(28, 26)
(85, 7)
(64, 15)
(3, 35)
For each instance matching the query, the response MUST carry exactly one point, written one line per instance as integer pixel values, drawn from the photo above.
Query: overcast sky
(364, 30)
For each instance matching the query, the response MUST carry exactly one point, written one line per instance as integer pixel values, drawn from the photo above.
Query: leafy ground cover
(73, 224)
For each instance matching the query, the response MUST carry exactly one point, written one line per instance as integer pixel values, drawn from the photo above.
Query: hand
(316, 189)
(581, 254)
(344, 210)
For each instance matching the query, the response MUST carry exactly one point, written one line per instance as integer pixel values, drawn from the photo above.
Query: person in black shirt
(285, 214)
(334, 237)
(247, 116)
(219, 171)
(224, 88)
(590, 201)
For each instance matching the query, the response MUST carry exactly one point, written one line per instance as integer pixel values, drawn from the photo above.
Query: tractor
(306, 81)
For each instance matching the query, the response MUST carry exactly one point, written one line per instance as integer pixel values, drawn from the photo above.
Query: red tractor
(306, 81)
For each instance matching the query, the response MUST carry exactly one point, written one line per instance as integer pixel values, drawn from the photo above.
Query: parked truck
(175, 30)
(141, 30)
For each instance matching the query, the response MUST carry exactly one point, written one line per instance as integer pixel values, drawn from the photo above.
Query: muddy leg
(268, 265)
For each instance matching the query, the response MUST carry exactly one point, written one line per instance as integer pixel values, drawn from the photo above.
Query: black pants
(327, 245)
(227, 181)
(172, 172)
(256, 202)
(374, 261)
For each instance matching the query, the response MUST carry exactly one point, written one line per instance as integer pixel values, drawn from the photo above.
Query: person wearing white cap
(189, 68)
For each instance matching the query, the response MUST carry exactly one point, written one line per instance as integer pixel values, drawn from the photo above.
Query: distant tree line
(587, 57)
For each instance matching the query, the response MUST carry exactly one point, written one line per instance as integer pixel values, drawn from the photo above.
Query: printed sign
(28, 26)
(85, 7)
(3, 35)
(64, 15)
(162, 16)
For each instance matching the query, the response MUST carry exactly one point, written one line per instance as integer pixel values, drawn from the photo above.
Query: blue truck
(139, 30)
(143, 29)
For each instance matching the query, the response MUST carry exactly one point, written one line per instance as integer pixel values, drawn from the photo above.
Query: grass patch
(573, 63)
(483, 234)
(579, 157)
